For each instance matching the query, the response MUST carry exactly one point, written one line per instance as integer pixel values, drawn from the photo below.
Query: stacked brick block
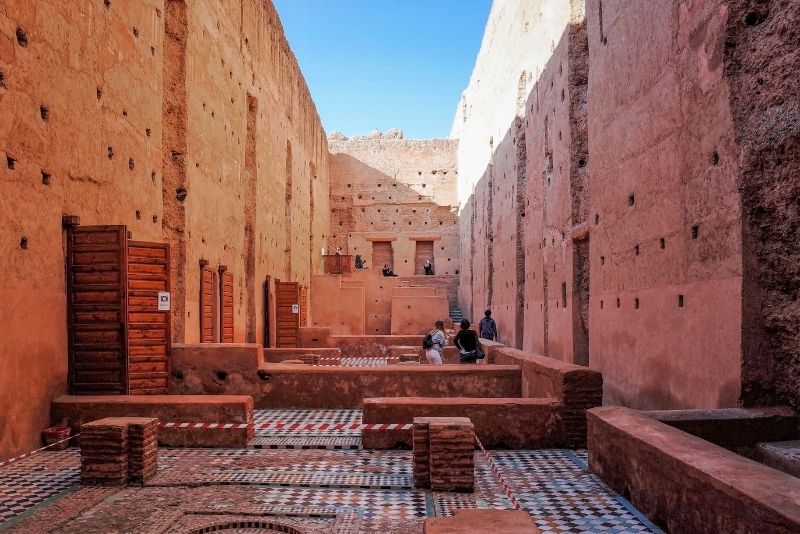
(581, 391)
(118, 450)
(142, 449)
(444, 453)
(104, 452)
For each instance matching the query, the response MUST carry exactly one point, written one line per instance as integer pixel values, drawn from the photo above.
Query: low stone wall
(74, 411)
(372, 346)
(578, 387)
(686, 483)
(734, 428)
(504, 423)
(305, 386)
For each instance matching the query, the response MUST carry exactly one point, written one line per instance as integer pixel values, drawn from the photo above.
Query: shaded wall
(112, 113)
(389, 188)
(650, 158)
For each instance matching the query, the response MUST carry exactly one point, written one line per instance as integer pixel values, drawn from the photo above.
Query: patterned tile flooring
(373, 487)
(287, 439)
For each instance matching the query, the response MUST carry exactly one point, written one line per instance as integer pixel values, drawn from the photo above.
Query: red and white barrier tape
(293, 426)
(499, 476)
(28, 454)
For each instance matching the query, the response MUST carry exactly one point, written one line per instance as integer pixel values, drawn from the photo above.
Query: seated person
(428, 268)
(359, 262)
(387, 271)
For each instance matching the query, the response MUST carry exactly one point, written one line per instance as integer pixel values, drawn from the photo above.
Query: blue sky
(386, 63)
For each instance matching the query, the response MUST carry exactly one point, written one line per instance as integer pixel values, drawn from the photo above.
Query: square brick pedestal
(444, 453)
(118, 450)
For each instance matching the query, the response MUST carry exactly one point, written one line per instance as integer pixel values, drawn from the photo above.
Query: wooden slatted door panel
(423, 252)
(382, 254)
(96, 280)
(208, 305)
(226, 300)
(287, 295)
(303, 306)
(148, 328)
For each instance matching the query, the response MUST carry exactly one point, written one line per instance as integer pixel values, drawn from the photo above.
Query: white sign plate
(295, 308)
(163, 300)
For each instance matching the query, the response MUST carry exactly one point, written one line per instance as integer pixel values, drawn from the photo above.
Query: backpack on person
(427, 343)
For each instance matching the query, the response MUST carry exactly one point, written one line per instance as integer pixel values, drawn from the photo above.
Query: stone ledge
(513, 423)
(482, 522)
(75, 411)
(733, 427)
(686, 483)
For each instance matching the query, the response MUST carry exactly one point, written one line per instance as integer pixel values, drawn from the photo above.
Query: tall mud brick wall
(395, 194)
(628, 197)
(187, 121)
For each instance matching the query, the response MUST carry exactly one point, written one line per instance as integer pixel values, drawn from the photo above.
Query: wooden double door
(216, 326)
(118, 312)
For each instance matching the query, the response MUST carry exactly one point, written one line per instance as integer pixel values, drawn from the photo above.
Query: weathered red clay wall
(384, 187)
(642, 146)
(666, 294)
(761, 65)
(108, 112)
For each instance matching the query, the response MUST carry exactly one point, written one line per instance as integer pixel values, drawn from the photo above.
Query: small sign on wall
(163, 300)
(295, 308)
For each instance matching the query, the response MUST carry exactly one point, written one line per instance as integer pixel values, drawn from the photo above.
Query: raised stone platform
(74, 411)
(686, 483)
(306, 386)
(578, 387)
(512, 423)
(482, 522)
(733, 427)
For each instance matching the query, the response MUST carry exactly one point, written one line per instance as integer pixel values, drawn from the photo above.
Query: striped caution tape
(278, 425)
(31, 453)
(499, 476)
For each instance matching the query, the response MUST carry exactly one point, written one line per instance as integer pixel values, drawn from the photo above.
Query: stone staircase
(456, 315)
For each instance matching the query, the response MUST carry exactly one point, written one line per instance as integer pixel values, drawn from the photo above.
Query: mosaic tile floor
(359, 490)
(287, 439)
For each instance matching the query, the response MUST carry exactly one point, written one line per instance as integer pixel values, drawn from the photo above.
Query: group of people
(466, 341)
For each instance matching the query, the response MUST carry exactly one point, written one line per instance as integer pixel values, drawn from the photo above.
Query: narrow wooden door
(148, 327)
(97, 309)
(226, 307)
(208, 305)
(287, 302)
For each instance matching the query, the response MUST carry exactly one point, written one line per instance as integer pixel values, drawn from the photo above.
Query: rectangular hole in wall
(564, 294)
(680, 301)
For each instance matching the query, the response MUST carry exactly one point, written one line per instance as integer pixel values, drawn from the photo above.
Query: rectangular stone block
(422, 478)
(104, 452)
(142, 448)
(444, 453)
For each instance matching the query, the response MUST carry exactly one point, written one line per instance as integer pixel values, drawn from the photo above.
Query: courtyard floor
(312, 482)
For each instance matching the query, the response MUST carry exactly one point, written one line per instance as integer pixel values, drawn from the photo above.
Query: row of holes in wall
(636, 301)
(180, 194)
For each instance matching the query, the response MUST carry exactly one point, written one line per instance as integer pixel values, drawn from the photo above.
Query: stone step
(781, 455)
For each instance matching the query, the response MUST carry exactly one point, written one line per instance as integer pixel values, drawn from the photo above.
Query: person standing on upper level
(487, 327)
